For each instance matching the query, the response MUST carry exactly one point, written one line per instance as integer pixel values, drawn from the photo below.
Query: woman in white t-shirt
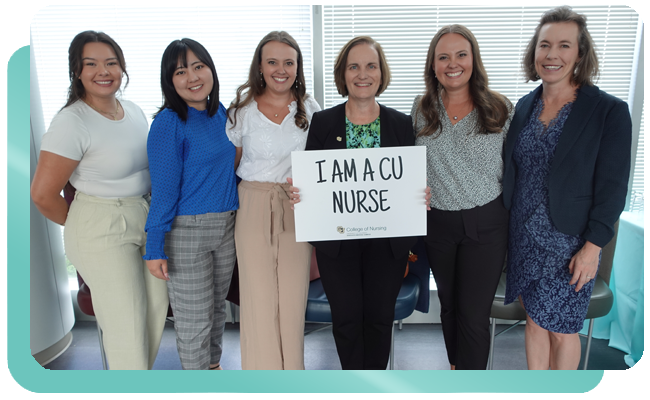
(267, 123)
(99, 144)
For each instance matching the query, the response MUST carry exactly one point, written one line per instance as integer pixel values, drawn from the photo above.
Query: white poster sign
(360, 193)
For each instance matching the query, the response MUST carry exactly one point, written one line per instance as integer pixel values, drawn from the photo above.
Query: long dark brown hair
(255, 85)
(76, 90)
(492, 107)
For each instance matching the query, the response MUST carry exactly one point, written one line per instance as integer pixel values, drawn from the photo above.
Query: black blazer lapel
(583, 108)
(387, 137)
(339, 130)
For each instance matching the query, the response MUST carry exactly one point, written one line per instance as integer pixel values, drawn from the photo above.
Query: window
(230, 34)
(636, 196)
(405, 32)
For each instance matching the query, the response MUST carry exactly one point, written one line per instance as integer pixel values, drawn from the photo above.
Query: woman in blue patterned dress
(567, 161)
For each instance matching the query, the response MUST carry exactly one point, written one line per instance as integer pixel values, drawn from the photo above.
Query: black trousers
(362, 284)
(466, 251)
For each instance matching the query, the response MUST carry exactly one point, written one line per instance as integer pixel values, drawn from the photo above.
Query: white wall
(51, 316)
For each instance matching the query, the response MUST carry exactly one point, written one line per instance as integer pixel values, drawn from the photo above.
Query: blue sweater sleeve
(165, 152)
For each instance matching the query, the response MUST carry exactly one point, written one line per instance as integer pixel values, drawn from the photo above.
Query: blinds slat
(230, 33)
(502, 32)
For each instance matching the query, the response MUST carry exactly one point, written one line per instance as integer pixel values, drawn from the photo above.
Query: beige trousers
(105, 241)
(273, 278)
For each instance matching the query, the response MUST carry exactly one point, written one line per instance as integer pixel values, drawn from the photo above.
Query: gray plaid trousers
(201, 252)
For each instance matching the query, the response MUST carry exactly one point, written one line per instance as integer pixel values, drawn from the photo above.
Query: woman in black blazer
(567, 162)
(361, 277)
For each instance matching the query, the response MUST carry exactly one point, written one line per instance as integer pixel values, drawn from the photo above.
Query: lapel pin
(339, 138)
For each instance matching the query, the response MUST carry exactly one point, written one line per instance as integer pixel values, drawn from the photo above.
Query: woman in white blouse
(266, 123)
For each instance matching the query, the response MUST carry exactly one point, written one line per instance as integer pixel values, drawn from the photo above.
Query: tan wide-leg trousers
(105, 241)
(273, 278)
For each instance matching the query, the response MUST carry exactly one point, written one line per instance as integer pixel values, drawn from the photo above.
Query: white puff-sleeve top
(267, 146)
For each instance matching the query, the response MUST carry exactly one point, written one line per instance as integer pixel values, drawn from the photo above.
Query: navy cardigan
(587, 182)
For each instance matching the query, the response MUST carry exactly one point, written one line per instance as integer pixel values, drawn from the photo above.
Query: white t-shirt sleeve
(67, 136)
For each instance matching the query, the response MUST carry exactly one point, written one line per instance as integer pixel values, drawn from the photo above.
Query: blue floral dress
(539, 254)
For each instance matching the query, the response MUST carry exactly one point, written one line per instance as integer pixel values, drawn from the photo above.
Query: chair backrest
(607, 257)
(80, 280)
(69, 192)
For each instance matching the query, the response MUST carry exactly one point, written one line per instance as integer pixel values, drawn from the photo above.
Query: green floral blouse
(362, 136)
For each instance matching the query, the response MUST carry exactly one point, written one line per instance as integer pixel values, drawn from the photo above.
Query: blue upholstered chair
(318, 308)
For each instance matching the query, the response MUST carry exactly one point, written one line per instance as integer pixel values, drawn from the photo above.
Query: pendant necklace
(113, 115)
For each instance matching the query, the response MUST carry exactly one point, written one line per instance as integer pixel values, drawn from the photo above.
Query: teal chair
(600, 304)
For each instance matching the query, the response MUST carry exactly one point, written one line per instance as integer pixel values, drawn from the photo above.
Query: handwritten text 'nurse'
(369, 201)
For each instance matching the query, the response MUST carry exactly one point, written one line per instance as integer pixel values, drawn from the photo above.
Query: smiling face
(193, 82)
(556, 53)
(101, 74)
(453, 62)
(279, 66)
(362, 72)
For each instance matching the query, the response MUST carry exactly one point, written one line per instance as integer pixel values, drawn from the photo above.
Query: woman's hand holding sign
(294, 197)
(427, 197)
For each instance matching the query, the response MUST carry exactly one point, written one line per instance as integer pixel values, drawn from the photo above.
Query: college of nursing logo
(340, 229)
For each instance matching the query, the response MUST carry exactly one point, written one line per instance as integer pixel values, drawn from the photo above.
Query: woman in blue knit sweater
(190, 228)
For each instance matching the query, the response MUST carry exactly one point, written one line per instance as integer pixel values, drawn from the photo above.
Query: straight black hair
(175, 52)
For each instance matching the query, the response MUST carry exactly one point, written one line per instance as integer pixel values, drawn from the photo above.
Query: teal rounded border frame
(31, 376)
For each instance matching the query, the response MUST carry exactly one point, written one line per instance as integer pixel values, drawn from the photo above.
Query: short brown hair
(342, 60)
(586, 70)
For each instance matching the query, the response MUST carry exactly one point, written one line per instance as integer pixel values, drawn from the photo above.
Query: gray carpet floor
(417, 347)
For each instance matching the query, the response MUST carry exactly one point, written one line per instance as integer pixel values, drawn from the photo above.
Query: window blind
(405, 32)
(637, 195)
(502, 32)
(229, 33)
